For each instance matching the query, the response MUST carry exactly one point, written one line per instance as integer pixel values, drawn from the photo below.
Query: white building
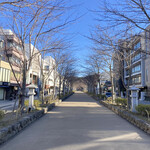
(33, 57)
(51, 76)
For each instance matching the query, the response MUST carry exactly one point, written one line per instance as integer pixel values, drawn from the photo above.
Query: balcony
(13, 51)
(13, 38)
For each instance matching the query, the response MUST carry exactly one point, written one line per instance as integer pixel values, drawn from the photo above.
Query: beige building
(10, 47)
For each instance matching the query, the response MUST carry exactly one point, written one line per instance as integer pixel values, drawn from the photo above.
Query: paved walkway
(79, 123)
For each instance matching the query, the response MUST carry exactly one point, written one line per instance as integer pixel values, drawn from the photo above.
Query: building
(118, 69)
(33, 76)
(5, 72)
(50, 75)
(10, 49)
(136, 53)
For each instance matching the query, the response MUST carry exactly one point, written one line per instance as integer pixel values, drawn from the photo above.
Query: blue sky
(82, 28)
(76, 31)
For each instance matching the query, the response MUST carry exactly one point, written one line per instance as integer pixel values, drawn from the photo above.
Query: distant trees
(95, 71)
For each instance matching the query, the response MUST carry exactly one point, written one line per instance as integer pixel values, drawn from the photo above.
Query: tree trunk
(112, 84)
(100, 92)
(59, 86)
(23, 89)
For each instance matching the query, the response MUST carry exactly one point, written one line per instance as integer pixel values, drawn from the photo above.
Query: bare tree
(111, 51)
(125, 12)
(95, 66)
(30, 23)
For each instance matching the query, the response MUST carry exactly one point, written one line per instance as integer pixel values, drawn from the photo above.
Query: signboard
(6, 83)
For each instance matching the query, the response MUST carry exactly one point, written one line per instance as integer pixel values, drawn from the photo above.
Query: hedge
(36, 103)
(121, 101)
(141, 108)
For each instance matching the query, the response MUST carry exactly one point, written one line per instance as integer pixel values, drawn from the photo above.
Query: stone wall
(11, 130)
(129, 117)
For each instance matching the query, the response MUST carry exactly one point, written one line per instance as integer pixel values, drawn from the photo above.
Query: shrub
(1, 114)
(109, 99)
(47, 99)
(142, 109)
(103, 96)
(121, 101)
(36, 103)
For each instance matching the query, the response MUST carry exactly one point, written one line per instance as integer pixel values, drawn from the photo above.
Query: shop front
(4, 79)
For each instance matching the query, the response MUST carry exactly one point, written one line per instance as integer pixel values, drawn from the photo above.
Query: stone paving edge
(141, 124)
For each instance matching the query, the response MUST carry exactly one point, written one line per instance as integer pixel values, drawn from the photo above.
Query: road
(7, 105)
(79, 123)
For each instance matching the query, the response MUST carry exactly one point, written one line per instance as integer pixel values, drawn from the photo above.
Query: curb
(141, 124)
(12, 130)
(67, 96)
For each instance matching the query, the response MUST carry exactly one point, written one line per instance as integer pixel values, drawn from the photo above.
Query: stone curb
(67, 96)
(12, 130)
(143, 125)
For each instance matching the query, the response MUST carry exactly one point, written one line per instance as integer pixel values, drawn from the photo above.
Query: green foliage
(103, 96)
(1, 114)
(37, 103)
(142, 109)
(121, 101)
(109, 99)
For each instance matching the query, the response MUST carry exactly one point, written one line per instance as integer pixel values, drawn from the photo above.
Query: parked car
(108, 94)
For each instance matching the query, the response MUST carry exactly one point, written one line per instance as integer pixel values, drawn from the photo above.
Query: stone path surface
(79, 123)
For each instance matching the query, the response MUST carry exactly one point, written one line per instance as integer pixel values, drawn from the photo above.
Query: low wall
(11, 130)
(67, 96)
(129, 117)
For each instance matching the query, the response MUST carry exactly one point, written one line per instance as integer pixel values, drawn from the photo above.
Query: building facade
(33, 76)
(50, 75)
(5, 72)
(11, 53)
(136, 68)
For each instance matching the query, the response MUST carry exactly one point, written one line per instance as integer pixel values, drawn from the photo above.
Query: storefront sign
(6, 83)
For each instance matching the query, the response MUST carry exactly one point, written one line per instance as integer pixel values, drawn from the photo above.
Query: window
(4, 75)
(34, 79)
(127, 72)
(137, 45)
(136, 80)
(9, 43)
(136, 57)
(136, 69)
(46, 67)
